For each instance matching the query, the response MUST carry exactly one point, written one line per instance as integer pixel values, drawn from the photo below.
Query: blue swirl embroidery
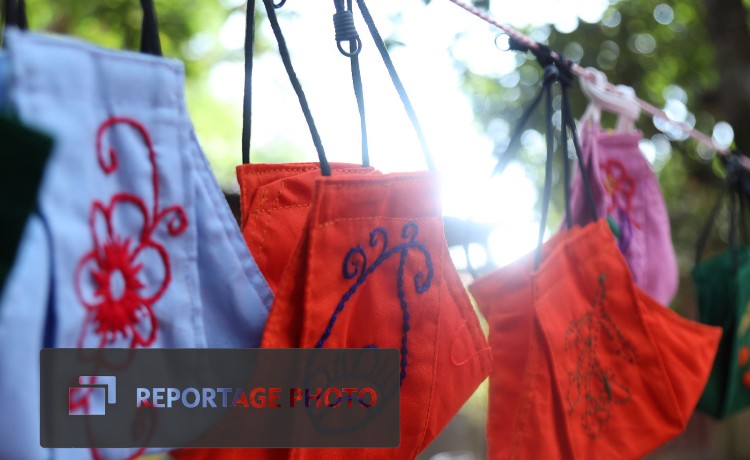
(355, 266)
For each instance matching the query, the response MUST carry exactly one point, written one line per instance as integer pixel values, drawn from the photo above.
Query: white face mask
(142, 249)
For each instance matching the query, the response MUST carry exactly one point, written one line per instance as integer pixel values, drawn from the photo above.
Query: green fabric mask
(723, 288)
(22, 160)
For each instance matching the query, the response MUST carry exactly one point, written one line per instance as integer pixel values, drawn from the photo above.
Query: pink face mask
(627, 191)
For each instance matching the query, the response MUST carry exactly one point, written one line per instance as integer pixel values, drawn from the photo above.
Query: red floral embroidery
(121, 304)
(620, 187)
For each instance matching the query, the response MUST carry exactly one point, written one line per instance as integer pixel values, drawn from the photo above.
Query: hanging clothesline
(590, 76)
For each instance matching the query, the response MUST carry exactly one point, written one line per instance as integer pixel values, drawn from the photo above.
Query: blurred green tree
(189, 32)
(691, 57)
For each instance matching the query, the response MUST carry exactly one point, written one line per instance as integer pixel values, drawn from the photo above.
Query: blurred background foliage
(189, 31)
(676, 55)
(691, 57)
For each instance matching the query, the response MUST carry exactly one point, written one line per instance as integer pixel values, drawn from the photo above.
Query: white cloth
(144, 249)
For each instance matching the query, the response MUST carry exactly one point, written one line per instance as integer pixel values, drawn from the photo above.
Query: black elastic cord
(359, 95)
(735, 179)
(565, 79)
(14, 13)
(551, 75)
(733, 211)
(555, 70)
(566, 167)
(380, 44)
(570, 122)
(247, 99)
(325, 168)
(23, 20)
(705, 232)
(343, 22)
(509, 153)
(346, 32)
(150, 42)
(543, 55)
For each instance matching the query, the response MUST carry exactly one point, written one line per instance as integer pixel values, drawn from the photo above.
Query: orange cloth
(373, 249)
(586, 366)
(371, 243)
(275, 200)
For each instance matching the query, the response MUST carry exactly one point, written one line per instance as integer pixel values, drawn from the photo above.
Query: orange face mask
(373, 270)
(275, 201)
(586, 365)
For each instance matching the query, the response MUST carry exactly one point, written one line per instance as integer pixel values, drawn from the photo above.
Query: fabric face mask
(275, 202)
(392, 285)
(372, 269)
(143, 249)
(626, 189)
(723, 299)
(584, 361)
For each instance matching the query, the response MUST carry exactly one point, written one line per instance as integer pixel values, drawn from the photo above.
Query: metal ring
(507, 47)
(350, 53)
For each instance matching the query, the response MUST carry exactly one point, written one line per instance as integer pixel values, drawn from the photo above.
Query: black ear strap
(270, 7)
(14, 12)
(555, 70)
(247, 100)
(737, 187)
(346, 32)
(150, 43)
(700, 245)
(551, 74)
(410, 112)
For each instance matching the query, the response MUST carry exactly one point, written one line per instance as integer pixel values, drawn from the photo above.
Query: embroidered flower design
(619, 186)
(127, 270)
(594, 384)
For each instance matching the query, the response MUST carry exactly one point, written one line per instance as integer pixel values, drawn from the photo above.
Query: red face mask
(372, 269)
(585, 363)
(275, 202)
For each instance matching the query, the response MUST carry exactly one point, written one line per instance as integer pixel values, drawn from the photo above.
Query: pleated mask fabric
(372, 269)
(142, 248)
(626, 189)
(584, 362)
(275, 201)
(722, 284)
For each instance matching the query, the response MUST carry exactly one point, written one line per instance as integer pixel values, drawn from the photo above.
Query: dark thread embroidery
(591, 383)
(120, 306)
(355, 266)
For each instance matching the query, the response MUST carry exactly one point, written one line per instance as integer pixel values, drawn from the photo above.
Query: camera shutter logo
(100, 390)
